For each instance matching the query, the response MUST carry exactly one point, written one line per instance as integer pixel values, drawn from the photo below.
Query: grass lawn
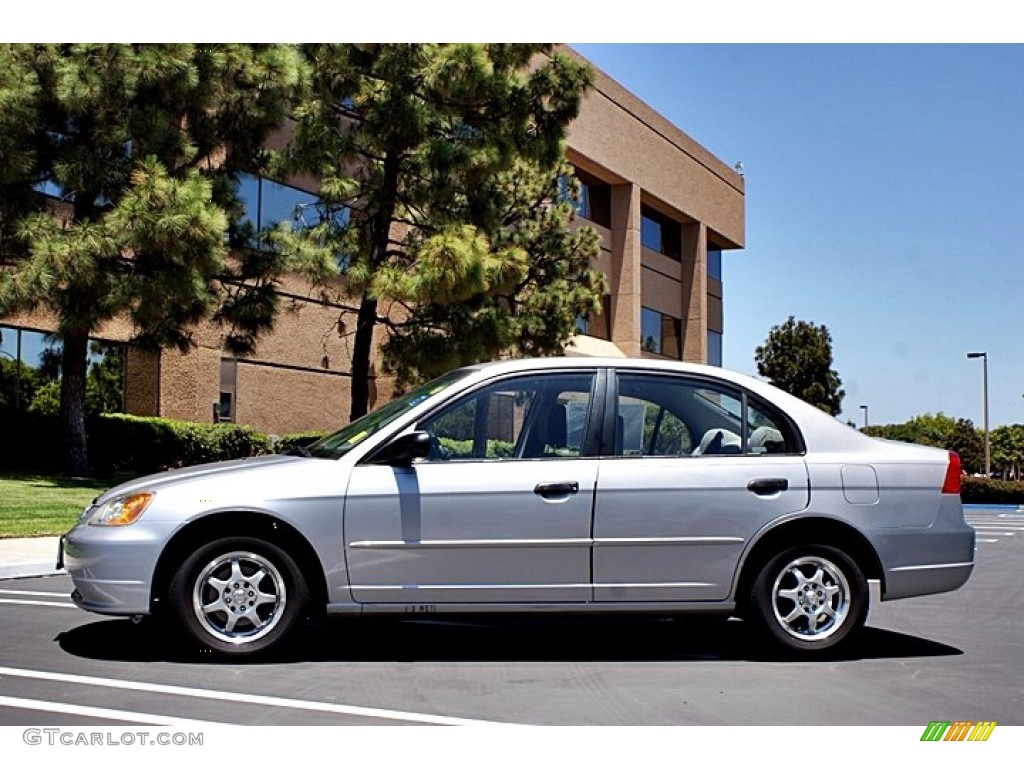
(40, 505)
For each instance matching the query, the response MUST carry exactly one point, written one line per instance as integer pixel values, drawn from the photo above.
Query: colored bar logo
(958, 730)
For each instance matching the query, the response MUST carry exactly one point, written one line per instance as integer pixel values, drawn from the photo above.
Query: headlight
(122, 510)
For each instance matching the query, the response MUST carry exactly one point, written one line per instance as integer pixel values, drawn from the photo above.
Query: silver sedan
(565, 485)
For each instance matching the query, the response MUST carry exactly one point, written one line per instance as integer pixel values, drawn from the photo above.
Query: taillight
(952, 482)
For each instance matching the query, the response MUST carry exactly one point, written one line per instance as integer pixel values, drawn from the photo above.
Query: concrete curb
(29, 570)
(23, 558)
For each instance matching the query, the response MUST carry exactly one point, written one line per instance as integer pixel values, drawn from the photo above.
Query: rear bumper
(916, 580)
(926, 561)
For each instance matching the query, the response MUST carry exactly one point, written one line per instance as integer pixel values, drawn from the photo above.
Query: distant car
(566, 485)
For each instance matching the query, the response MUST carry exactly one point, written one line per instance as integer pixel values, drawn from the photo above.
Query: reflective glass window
(279, 202)
(714, 348)
(660, 334)
(715, 264)
(650, 233)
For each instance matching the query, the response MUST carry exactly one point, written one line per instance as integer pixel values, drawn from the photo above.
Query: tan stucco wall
(620, 133)
(281, 400)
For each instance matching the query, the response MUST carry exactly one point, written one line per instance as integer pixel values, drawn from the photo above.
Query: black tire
(810, 598)
(239, 596)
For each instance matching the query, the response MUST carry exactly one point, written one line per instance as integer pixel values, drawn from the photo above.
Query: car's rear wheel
(239, 595)
(810, 598)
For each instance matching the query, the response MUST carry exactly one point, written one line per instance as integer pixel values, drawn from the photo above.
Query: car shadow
(493, 640)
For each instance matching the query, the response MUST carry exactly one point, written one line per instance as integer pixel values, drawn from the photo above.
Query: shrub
(149, 444)
(984, 490)
(297, 440)
(463, 449)
(30, 441)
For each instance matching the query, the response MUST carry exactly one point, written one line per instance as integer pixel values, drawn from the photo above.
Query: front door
(499, 513)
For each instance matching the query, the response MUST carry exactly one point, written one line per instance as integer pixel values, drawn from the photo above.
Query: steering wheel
(437, 451)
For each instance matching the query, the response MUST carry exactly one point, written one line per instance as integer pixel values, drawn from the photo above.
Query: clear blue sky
(884, 199)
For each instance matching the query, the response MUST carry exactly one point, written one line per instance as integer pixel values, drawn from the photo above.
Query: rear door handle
(768, 486)
(556, 489)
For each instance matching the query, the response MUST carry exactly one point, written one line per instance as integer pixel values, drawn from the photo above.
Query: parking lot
(953, 657)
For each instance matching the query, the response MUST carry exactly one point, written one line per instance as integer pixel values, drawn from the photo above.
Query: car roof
(632, 363)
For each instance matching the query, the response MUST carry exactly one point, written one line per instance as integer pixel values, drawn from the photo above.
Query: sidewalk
(21, 558)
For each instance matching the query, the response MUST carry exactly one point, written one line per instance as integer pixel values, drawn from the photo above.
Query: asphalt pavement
(952, 656)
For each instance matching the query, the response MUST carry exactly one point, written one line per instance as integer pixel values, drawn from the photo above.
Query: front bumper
(112, 568)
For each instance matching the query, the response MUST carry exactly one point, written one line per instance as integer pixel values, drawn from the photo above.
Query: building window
(714, 348)
(650, 233)
(715, 264)
(30, 363)
(597, 324)
(660, 334)
(104, 387)
(266, 203)
(595, 201)
(49, 188)
(660, 233)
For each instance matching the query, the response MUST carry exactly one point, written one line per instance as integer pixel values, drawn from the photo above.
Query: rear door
(697, 470)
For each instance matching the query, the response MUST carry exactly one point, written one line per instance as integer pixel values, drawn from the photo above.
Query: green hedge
(29, 441)
(982, 490)
(120, 442)
(297, 440)
(149, 444)
(463, 449)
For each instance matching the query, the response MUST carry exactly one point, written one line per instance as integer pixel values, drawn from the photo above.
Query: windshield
(347, 438)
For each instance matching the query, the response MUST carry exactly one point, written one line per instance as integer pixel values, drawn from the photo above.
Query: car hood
(175, 477)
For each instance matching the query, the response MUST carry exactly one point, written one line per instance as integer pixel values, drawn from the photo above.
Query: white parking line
(987, 541)
(33, 594)
(104, 714)
(993, 532)
(245, 698)
(37, 602)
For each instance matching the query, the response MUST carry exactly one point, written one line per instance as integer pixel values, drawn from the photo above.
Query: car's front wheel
(239, 595)
(810, 598)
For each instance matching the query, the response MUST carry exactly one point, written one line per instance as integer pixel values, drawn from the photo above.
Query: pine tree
(138, 146)
(445, 198)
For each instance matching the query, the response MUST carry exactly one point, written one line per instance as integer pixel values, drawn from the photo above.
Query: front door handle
(768, 486)
(556, 489)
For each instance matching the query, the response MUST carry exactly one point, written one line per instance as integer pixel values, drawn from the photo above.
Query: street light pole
(865, 409)
(984, 395)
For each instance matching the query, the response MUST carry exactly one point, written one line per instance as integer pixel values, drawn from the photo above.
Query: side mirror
(404, 449)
